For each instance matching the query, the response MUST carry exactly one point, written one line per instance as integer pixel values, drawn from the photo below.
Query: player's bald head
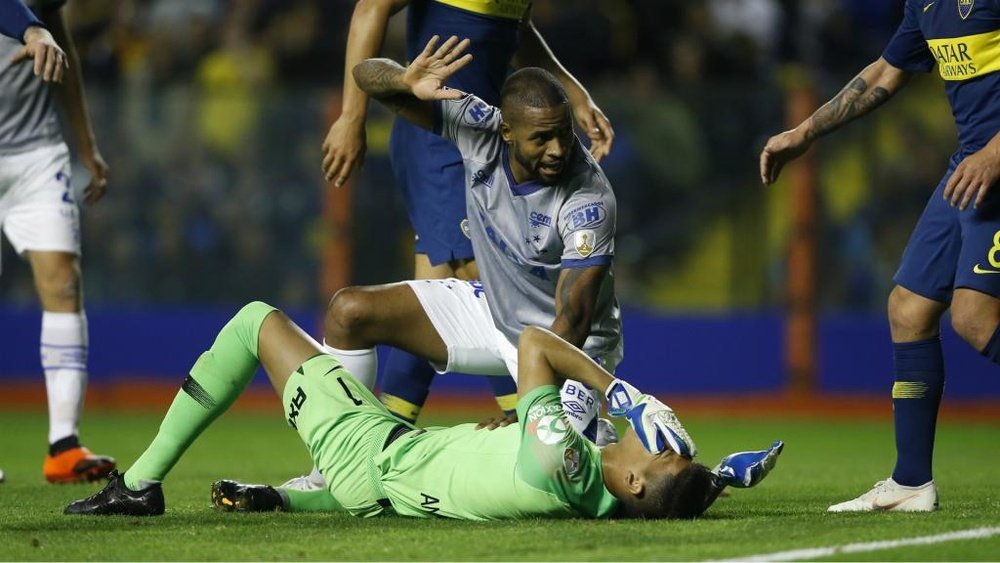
(531, 87)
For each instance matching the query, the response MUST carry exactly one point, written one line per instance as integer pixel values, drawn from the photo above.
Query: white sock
(64, 359)
(362, 364)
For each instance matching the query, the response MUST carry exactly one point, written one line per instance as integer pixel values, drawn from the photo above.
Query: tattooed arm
(411, 91)
(576, 297)
(868, 90)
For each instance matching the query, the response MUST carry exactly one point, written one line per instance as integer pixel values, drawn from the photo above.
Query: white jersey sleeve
(587, 225)
(469, 122)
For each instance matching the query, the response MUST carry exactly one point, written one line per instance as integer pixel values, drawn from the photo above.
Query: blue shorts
(430, 172)
(953, 249)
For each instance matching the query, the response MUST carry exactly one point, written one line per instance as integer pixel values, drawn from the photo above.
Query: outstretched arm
(533, 51)
(410, 91)
(868, 90)
(345, 145)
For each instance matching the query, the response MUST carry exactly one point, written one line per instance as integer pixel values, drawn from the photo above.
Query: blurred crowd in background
(211, 114)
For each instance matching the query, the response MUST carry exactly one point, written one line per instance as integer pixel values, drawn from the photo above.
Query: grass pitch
(825, 461)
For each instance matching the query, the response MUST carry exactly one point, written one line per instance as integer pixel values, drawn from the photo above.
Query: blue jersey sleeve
(16, 18)
(907, 50)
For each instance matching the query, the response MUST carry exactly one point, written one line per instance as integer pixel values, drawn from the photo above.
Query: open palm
(427, 73)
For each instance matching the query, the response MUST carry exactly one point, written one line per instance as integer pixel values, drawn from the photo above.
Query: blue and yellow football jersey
(492, 25)
(961, 37)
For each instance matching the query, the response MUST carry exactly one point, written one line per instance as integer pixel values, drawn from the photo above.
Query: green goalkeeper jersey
(539, 468)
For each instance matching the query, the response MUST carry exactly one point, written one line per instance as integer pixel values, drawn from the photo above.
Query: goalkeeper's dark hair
(531, 87)
(684, 495)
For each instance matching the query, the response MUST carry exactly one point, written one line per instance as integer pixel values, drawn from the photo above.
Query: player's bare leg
(360, 317)
(64, 359)
(975, 316)
(919, 373)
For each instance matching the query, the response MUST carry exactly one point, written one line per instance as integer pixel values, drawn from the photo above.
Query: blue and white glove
(746, 469)
(654, 423)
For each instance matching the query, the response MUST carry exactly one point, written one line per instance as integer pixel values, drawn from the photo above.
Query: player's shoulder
(472, 111)
(587, 180)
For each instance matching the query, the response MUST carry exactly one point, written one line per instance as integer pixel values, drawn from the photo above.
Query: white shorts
(38, 210)
(459, 311)
(460, 314)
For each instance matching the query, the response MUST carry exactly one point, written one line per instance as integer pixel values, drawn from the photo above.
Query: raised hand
(427, 73)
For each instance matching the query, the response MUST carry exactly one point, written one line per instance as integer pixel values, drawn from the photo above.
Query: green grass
(825, 461)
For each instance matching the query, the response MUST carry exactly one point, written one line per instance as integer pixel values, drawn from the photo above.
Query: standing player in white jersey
(542, 222)
(40, 218)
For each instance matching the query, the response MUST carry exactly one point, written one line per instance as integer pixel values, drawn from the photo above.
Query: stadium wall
(731, 355)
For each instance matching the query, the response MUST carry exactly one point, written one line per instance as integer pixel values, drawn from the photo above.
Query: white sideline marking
(816, 552)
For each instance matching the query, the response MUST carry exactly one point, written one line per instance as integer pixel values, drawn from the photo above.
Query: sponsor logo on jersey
(536, 220)
(584, 242)
(477, 113)
(970, 56)
(965, 7)
(482, 177)
(587, 216)
(541, 411)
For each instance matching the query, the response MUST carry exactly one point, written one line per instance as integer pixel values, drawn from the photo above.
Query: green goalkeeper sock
(217, 379)
(309, 501)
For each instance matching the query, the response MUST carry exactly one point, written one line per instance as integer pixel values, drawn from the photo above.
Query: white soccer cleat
(890, 495)
(312, 482)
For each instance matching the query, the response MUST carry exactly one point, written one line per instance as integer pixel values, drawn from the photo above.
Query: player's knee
(60, 282)
(347, 313)
(909, 318)
(975, 327)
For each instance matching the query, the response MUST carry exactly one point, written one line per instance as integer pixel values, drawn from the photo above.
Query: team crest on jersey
(464, 225)
(584, 242)
(477, 113)
(965, 7)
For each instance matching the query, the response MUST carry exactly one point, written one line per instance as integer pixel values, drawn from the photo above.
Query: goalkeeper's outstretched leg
(257, 335)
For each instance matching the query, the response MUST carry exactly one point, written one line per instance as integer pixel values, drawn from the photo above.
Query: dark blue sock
(505, 391)
(992, 349)
(916, 395)
(406, 380)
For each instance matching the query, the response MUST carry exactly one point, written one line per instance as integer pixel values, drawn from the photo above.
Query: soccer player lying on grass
(376, 464)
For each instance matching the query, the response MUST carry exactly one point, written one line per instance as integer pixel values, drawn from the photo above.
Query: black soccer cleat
(231, 496)
(116, 498)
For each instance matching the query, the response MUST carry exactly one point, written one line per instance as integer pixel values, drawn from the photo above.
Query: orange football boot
(77, 465)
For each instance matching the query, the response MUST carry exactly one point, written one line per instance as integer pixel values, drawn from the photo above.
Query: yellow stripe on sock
(507, 402)
(401, 407)
(909, 390)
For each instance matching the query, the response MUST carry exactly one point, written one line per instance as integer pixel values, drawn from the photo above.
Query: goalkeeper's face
(664, 485)
(651, 466)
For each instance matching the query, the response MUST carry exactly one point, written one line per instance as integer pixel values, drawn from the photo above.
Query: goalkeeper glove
(654, 423)
(746, 469)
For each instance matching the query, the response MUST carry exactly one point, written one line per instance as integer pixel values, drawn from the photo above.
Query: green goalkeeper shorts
(344, 428)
